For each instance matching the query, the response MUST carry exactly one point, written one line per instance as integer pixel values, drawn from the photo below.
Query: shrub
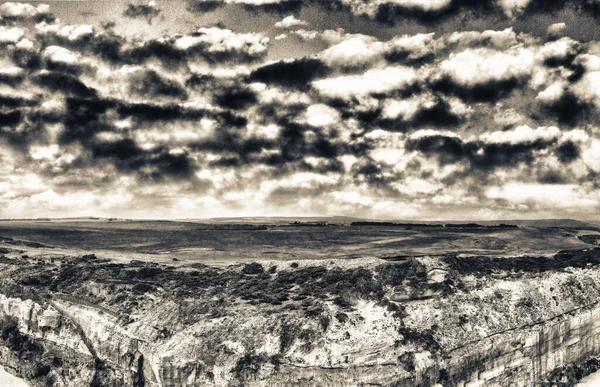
(248, 366)
(341, 317)
(253, 268)
(287, 337)
(22, 345)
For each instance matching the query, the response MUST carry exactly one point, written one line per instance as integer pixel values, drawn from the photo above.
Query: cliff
(78, 321)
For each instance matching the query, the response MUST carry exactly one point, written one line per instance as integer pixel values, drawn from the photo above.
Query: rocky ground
(447, 320)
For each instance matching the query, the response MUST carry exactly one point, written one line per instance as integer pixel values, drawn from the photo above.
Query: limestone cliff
(83, 321)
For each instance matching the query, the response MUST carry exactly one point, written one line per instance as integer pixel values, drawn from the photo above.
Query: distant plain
(220, 242)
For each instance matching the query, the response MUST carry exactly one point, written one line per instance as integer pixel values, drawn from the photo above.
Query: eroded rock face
(336, 327)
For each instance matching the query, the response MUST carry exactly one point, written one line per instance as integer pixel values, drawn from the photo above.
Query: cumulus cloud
(485, 74)
(474, 67)
(412, 48)
(513, 7)
(304, 34)
(556, 30)
(372, 81)
(591, 156)
(521, 134)
(356, 51)
(10, 34)
(290, 22)
(222, 44)
(23, 10)
(69, 32)
(500, 40)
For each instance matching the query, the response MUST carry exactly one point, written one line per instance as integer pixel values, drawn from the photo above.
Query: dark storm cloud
(437, 114)
(11, 79)
(16, 130)
(27, 59)
(236, 98)
(153, 49)
(10, 119)
(591, 7)
(552, 177)
(64, 83)
(492, 156)
(407, 56)
(297, 73)
(568, 152)
(489, 91)
(213, 45)
(201, 82)
(392, 13)
(482, 155)
(151, 112)
(203, 6)
(107, 45)
(154, 164)
(11, 102)
(242, 150)
(282, 6)
(150, 84)
(142, 11)
(84, 118)
(568, 109)
(448, 149)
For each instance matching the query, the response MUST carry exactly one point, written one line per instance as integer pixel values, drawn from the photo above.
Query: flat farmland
(222, 243)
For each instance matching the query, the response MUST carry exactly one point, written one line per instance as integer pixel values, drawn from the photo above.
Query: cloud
(69, 32)
(11, 76)
(500, 40)
(521, 134)
(290, 22)
(474, 67)
(152, 164)
(371, 82)
(144, 11)
(591, 156)
(556, 30)
(277, 6)
(320, 115)
(236, 98)
(21, 11)
(10, 34)
(292, 73)
(304, 34)
(354, 52)
(422, 111)
(425, 5)
(483, 74)
(61, 54)
(431, 124)
(65, 83)
(411, 48)
(150, 84)
(513, 7)
(522, 146)
(218, 44)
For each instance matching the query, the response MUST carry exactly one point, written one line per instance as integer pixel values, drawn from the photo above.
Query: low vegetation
(480, 265)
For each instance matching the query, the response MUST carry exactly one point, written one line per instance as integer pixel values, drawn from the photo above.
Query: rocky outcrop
(317, 324)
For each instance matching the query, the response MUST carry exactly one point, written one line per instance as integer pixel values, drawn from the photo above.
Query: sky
(389, 109)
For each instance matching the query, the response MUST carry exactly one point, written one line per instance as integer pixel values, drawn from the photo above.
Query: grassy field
(198, 242)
